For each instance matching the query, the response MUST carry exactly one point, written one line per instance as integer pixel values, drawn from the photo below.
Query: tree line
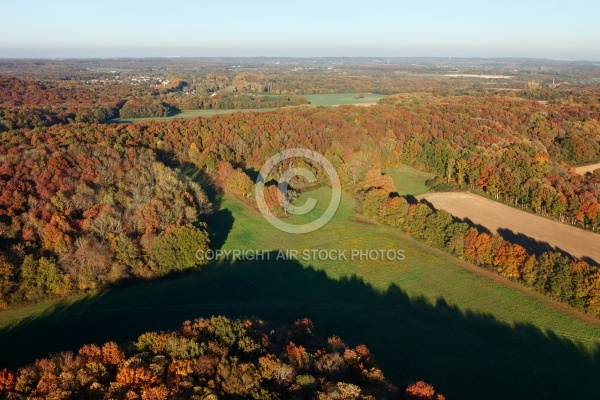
(558, 276)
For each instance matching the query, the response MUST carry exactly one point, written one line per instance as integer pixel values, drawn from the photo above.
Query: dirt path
(587, 168)
(496, 216)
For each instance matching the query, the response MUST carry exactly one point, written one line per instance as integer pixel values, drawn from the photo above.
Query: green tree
(42, 278)
(460, 170)
(435, 228)
(124, 249)
(176, 250)
(456, 232)
(7, 273)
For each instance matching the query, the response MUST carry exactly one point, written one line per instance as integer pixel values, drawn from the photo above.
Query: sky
(373, 28)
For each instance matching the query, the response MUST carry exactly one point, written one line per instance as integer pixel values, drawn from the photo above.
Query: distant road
(587, 168)
(496, 216)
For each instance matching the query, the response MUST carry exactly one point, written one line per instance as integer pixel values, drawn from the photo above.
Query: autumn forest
(112, 178)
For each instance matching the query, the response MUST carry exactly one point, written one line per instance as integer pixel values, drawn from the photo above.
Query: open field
(587, 168)
(509, 221)
(338, 99)
(315, 100)
(427, 317)
(195, 113)
(409, 181)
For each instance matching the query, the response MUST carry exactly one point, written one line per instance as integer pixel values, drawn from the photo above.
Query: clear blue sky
(459, 28)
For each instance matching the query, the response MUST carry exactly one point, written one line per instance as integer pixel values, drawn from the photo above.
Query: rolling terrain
(416, 314)
(427, 316)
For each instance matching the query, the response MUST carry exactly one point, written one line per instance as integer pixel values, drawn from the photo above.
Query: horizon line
(302, 57)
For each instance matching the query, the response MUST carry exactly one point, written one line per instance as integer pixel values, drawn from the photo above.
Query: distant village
(133, 80)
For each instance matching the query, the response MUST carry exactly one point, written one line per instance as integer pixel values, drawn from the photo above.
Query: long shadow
(537, 247)
(252, 173)
(466, 355)
(220, 221)
(221, 225)
(468, 221)
(533, 246)
(475, 225)
(213, 192)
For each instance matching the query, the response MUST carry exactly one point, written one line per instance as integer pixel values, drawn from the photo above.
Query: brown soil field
(587, 168)
(509, 221)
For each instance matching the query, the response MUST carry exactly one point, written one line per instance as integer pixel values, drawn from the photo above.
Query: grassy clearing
(185, 114)
(426, 317)
(409, 181)
(339, 99)
(315, 99)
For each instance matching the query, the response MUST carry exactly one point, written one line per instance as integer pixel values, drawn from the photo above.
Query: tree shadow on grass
(466, 355)
(220, 221)
(221, 224)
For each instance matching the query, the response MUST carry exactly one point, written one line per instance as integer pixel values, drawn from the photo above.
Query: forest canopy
(82, 217)
(212, 359)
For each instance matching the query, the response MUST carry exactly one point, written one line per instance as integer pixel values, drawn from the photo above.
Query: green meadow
(409, 181)
(425, 317)
(315, 100)
(338, 99)
(185, 114)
